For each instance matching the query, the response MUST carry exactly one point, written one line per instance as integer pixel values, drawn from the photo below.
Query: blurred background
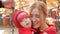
(8, 8)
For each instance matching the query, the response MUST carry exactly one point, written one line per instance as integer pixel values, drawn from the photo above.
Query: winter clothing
(50, 30)
(18, 16)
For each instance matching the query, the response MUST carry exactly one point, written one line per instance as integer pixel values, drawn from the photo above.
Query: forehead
(25, 19)
(35, 11)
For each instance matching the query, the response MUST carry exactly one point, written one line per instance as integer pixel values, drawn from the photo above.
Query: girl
(22, 22)
(38, 14)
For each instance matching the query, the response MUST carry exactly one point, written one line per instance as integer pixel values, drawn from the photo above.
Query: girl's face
(26, 22)
(35, 17)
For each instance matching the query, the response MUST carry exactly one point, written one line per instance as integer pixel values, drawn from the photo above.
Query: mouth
(27, 24)
(35, 25)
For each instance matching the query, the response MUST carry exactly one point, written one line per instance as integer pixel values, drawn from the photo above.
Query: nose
(33, 19)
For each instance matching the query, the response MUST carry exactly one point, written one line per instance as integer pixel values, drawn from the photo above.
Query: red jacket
(25, 31)
(50, 30)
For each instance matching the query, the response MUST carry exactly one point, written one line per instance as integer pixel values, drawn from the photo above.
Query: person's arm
(52, 30)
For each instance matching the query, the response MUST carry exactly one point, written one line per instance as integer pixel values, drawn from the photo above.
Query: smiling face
(38, 14)
(35, 17)
(26, 22)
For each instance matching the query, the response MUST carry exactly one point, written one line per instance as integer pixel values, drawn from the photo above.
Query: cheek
(35, 20)
(22, 24)
(38, 20)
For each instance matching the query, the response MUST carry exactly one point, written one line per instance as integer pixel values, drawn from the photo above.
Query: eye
(37, 16)
(25, 20)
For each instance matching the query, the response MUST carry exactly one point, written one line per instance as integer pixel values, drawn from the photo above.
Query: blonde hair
(41, 6)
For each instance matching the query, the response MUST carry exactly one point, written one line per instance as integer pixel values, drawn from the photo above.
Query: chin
(35, 27)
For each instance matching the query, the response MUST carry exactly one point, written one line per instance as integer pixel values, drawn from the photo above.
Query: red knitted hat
(21, 16)
(18, 16)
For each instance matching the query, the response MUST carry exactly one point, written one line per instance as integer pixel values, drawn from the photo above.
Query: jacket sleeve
(52, 30)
